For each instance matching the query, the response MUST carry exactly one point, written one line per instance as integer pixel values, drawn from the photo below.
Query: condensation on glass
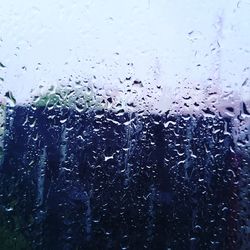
(124, 124)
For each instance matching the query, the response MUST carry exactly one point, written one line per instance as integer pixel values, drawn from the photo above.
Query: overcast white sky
(43, 41)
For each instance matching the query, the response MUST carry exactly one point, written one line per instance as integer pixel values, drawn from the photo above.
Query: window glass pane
(124, 124)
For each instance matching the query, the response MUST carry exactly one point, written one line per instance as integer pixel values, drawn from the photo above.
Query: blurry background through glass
(124, 124)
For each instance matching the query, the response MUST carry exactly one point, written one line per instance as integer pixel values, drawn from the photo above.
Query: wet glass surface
(124, 125)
